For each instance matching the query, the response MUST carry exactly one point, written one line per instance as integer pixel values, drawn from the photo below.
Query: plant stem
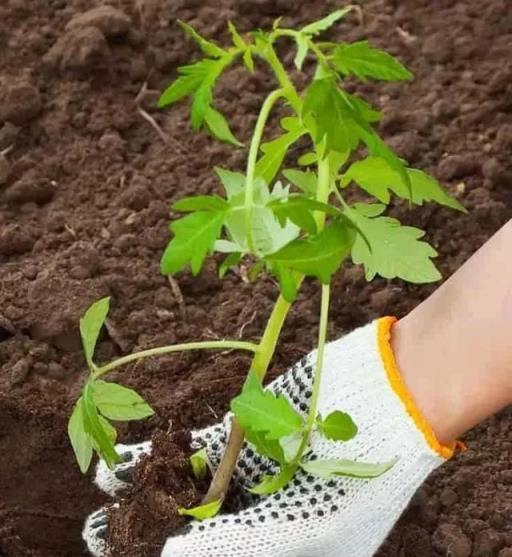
(259, 365)
(161, 350)
(251, 161)
(282, 77)
(317, 378)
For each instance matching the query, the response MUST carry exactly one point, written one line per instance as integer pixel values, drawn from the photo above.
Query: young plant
(302, 228)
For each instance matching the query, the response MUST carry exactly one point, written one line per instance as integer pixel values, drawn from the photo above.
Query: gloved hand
(312, 517)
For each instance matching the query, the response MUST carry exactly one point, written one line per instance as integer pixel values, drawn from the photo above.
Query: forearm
(455, 349)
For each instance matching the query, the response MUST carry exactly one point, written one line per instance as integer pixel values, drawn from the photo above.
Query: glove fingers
(95, 532)
(120, 477)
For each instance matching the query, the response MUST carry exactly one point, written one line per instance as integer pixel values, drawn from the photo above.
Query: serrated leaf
(203, 511)
(119, 403)
(263, 412)
(219, 127)
(333, 467)
(200, 463)
(233, 182)
(367, 111)
(265, 447)
(319, 256)
(300, 210)
(394, 251)
(302, 50)
(100, 435)
(326, 22)
(363, 60)
(328, 116)
(235, 36)
(183, 85)
(306, 181)
(271, 484)
(90, 326)
(337, 426)
(208, 47)
(202, 97)
(80, 440)
(375, 176)
(268, 235)
(201, 203)
(231, 261)
(194, 237)
(274, 153)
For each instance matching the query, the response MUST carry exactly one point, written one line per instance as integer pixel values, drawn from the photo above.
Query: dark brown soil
(162, 484)
(84, 195)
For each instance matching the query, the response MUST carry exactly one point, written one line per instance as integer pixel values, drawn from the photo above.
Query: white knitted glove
(311, 517)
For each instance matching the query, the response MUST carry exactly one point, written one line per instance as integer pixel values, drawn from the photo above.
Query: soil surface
(85, 186)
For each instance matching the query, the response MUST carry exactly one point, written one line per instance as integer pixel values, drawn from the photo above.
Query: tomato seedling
(299, 226)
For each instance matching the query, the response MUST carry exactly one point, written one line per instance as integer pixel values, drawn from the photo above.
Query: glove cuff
(397, 383)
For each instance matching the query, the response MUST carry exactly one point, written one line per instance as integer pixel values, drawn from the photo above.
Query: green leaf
(326, 22)
(231, 261)
(201, 203)
(319, 256)
(200, 463)
(300, 210)
(274, 153)
(338, 426)
(267, 234)
(194, 238)
(306, 181)
(393, 250)
(287, 282)
(248, 61)
(291, 445)
(367, 111)
(302, 50)
(235, 36)
(219, 127)
(119, 403)
(90, 326)
(184, 85)
(265, 447)
(233, 182)
(363, 60)
(333, 467)
(201, 103)
(271, 484)
(307, 159)
(209, 48)
(263, 412)
(80, 440)
(328, 115)
(100, 435)
(203, 511)
(375, 176)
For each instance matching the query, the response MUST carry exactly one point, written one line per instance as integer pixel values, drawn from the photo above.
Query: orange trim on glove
(398, 385)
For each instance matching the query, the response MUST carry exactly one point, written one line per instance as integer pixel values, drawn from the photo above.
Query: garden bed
(84, 196)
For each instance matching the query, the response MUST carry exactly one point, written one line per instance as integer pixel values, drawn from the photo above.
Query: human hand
(311, 517)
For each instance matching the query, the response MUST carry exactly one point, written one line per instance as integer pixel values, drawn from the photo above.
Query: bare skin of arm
(455, 349)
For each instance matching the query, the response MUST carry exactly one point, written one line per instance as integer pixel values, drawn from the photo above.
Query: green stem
(323, 188)
(220, 482)
(282, 77)
(251, 161)
(161, 350)
(317, 381)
